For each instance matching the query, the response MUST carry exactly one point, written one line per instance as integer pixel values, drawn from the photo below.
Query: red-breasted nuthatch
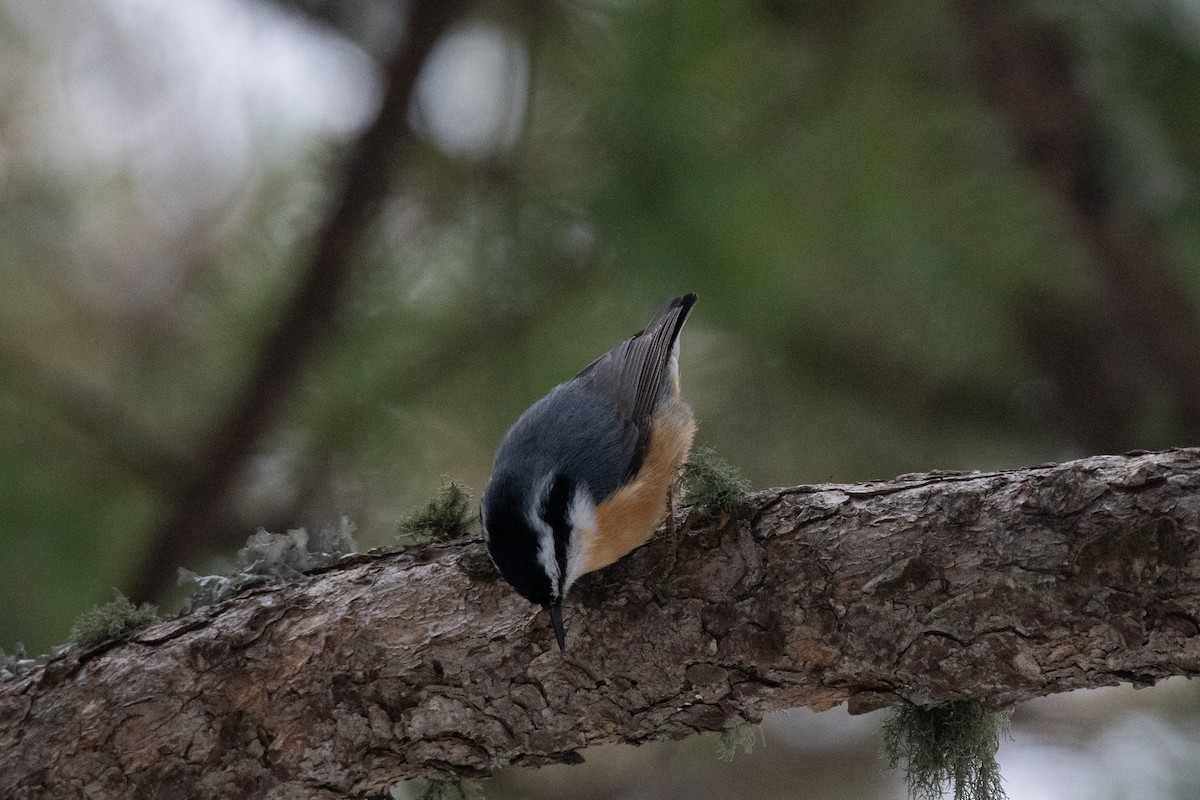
(583, 476)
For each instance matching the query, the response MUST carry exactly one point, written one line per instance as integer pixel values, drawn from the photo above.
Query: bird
(587, 473)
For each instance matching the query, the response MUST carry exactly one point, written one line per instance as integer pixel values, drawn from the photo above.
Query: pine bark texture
(929, 588)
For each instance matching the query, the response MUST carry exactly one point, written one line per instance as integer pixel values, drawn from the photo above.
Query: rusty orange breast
(628, 518)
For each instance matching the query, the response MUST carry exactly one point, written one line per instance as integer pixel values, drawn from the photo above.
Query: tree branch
(928, 588)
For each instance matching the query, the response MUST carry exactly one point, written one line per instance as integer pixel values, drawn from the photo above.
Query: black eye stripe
(513, 543)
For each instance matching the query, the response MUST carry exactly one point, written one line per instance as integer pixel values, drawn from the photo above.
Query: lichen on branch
(948, 747)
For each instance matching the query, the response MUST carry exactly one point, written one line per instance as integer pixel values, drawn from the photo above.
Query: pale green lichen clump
(446, 517)
(711, 482)
(422, 789)
(740, 738)
(115, 618)
(271, 558)
(950, 746)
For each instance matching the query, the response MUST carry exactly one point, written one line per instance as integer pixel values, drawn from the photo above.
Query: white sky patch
(472, 91)
(1137, 756)
(162, 116)
(202, 77)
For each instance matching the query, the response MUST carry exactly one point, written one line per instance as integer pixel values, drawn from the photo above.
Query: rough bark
(928, 588)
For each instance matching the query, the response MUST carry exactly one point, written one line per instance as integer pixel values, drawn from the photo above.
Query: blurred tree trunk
(927, 589)
(1140, 326)
(200, 505)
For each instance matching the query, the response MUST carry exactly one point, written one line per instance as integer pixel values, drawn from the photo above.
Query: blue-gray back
(574, 430)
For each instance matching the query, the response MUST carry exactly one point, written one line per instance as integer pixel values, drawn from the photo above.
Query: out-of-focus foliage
(885, 285)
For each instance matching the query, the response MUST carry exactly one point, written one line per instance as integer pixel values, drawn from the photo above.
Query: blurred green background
(940, 235)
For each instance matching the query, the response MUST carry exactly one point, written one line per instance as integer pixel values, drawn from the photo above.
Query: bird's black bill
(560, 633)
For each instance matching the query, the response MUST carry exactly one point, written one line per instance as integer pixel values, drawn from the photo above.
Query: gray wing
(633, 375)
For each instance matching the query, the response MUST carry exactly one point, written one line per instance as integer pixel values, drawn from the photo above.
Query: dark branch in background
(928, 589)
(290, 345)
(1144, 317)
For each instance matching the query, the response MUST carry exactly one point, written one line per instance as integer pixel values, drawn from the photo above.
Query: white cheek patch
(581, 517)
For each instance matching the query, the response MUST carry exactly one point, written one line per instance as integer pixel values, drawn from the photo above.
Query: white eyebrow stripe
(545, 533)
(545, 554)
